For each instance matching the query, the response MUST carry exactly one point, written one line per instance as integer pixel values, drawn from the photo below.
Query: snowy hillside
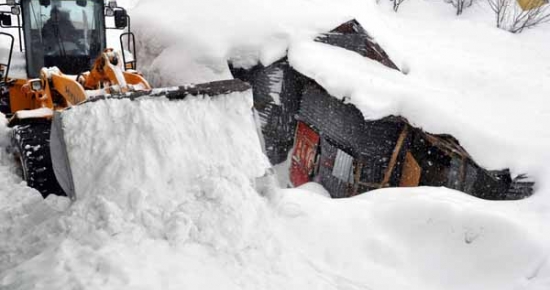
(176, 195)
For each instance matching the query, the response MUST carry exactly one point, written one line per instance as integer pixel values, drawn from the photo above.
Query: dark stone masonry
(332, 143)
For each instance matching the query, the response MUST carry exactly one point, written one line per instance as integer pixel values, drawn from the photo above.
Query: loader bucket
(63, 144)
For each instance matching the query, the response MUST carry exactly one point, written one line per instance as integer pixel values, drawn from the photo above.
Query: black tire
(31, 146)
(5, 99)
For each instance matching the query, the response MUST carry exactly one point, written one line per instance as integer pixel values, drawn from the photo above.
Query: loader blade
(61, 155)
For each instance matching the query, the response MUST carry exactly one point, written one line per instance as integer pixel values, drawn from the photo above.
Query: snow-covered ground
(173, 195)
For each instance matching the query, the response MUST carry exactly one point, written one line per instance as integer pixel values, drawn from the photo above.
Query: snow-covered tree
(460, 5)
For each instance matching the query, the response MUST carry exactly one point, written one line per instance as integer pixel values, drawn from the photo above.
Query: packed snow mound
(150, 174)
(420, 238)
(23, 211)
(315, 187)
(168, 156)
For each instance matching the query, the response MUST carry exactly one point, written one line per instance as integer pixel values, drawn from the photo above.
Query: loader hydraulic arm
(107, 74)
(56, 90)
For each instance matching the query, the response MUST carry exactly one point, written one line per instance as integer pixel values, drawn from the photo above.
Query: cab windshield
(68, 34)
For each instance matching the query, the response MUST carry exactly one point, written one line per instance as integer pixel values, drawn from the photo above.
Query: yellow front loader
(67, 64)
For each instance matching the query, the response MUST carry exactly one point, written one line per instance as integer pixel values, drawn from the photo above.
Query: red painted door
(303, 157)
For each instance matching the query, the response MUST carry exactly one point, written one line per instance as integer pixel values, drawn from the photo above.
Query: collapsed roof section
(333, 144)
(348, 155)
(277, 87)
(352, 36)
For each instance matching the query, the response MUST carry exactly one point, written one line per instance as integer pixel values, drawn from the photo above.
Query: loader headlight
(112, 4)
(15, 10)
(36, 85)
(109, 11)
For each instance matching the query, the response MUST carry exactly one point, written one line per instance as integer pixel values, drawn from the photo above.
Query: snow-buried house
(333, 144)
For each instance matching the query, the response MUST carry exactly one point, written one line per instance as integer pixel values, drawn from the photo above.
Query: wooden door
(411, 172)
(305, 152)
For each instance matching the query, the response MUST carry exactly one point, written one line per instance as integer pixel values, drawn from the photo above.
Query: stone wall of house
(277, 92)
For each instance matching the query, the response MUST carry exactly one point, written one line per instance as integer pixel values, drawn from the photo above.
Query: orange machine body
(55, 90)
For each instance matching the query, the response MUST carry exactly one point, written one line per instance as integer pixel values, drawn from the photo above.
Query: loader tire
(31, 147)
(5, 100)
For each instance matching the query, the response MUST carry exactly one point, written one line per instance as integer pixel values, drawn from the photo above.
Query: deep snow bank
(161, 159)
(421, 238)
(24, 215)
(150, 175)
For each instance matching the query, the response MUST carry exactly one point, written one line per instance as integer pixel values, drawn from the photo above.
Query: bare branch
(515, 17)
(460, 5)
(396, 4)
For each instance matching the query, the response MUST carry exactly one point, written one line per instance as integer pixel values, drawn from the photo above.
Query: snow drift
(144, 170)
(421, 238)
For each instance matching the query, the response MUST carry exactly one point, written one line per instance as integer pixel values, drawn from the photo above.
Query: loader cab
(68, 34)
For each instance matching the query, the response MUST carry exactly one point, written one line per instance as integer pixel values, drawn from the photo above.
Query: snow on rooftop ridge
(352, 36)
(176, 45)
